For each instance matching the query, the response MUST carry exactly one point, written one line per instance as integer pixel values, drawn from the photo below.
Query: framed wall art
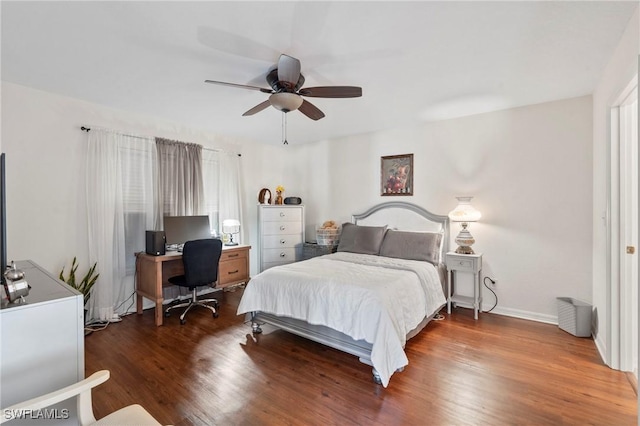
(396, 175)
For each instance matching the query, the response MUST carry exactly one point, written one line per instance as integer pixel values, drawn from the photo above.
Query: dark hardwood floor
(497, 370)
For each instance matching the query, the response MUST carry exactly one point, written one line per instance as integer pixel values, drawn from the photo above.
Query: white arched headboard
(404, 216)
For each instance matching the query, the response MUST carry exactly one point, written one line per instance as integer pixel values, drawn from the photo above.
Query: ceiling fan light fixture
(285, 101)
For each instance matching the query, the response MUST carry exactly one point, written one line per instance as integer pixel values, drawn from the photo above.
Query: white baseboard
(602, 348)
(527, 315)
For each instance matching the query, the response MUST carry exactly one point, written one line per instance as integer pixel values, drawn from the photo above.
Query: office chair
(130, 415)
(200, 259)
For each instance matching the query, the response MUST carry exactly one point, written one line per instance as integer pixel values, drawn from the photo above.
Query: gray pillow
(412, 245)
(361, 239)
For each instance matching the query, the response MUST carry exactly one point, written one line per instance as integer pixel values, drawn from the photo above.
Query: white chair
(127, 416)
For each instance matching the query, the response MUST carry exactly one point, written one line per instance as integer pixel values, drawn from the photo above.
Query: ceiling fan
(287, 92)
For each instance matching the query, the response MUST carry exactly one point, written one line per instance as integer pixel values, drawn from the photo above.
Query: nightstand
(310, 250)
(471, 263)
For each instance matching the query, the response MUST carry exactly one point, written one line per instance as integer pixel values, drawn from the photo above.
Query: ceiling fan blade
(288, 71)
(310, 110)
(235, 44)
(241, 86)
(332, 92)
(258, 108)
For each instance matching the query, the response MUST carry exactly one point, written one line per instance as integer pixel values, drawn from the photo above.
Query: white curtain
(121, 196)
(230, 189)
(222, 187)
(210, 183)
(131, 182)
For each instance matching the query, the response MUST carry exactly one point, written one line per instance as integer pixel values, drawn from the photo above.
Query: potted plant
(85, 285)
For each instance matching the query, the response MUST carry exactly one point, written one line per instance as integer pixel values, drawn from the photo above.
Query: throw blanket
(367, 297)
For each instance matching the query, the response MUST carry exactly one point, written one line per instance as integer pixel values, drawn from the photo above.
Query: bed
(384, 284)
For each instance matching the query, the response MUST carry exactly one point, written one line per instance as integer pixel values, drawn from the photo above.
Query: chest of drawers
(281, 234)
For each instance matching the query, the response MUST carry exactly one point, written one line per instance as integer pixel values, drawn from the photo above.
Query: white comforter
(373, 298)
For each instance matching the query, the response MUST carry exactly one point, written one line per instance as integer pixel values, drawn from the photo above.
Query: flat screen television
(3, 218)
(180, 229)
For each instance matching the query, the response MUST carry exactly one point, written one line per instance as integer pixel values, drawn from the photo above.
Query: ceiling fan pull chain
(284, 128)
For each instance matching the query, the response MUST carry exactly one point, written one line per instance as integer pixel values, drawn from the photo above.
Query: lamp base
(464, 250)
(231, 243)
(464, 240)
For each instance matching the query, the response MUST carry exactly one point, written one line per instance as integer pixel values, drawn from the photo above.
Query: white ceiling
(415, 61)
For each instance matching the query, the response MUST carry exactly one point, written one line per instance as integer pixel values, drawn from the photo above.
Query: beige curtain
(180, 187)
(180, 178)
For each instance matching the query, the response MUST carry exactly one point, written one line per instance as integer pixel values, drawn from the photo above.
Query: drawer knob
(283, 255)
(461, 263)
(233, 255)
(281, 214)
(234, 272)
(283, 241)
(282, 228)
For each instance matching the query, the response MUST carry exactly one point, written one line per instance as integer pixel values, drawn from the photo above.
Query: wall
(619, 71)
(529, 170)
(46, 199)
(526, 168)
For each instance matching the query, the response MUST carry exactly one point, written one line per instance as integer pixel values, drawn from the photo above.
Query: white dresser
(42, 345)
(280, 234)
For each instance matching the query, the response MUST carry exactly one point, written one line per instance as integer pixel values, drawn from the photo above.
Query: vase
(279, 198)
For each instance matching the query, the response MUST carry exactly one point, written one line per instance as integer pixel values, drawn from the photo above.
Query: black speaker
(155, 243)
(293, 200)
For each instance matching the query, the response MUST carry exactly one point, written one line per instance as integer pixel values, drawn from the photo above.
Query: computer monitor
(180, 229)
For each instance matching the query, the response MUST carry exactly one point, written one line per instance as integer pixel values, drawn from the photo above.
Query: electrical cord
(126, 311)
(99, 325)
(491, 290)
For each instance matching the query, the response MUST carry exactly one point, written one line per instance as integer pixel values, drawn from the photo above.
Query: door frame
(616, 359)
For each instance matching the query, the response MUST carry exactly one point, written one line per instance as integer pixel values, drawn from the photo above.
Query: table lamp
(231, 227)
(464, 213)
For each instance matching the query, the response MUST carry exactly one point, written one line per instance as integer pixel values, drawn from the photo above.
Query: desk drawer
(234, 266)
(233, 254)
(233, 271)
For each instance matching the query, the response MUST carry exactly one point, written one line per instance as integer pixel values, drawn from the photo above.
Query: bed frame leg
(376, 377)
(255, 326)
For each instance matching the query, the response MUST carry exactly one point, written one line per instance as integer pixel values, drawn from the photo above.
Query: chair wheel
(215, 315)
(216, 304)
(183, 322)
(167, 314)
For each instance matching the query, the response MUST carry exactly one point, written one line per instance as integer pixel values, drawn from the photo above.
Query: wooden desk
(153, 272)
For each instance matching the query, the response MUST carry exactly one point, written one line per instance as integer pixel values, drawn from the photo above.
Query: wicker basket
(328, 236)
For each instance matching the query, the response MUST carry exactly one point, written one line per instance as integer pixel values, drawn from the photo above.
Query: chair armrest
(82, 388)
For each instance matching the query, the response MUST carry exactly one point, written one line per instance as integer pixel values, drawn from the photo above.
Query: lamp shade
(230, 225)
(285, 101)
(464, 211)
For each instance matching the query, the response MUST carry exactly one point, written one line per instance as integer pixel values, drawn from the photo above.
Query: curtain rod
(88, 129)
